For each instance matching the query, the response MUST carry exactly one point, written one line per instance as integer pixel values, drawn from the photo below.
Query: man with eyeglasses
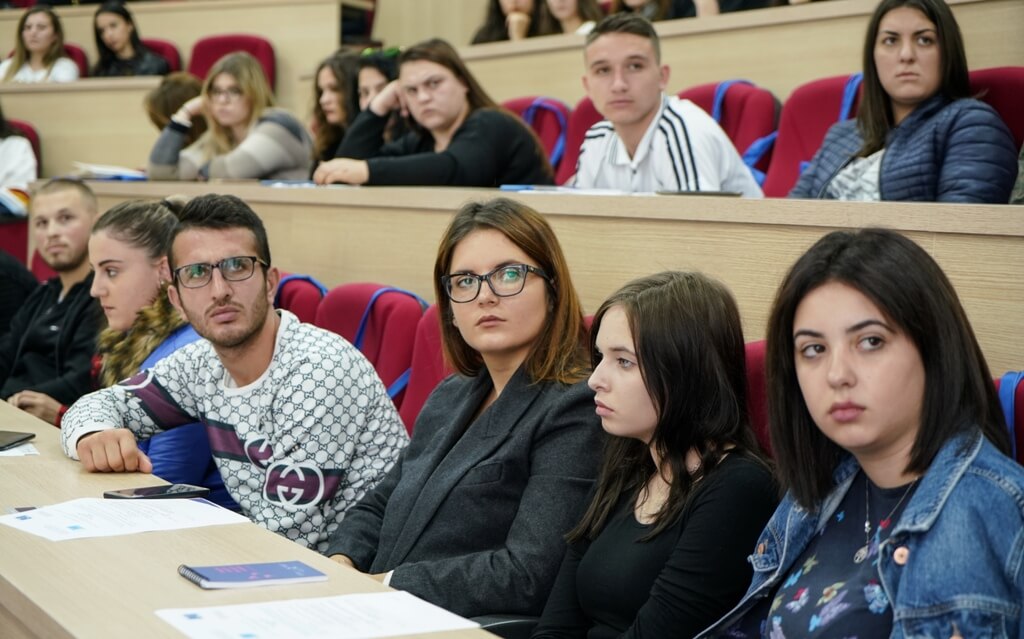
(299, 423)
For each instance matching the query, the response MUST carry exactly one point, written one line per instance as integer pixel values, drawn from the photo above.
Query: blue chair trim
(548, 104)
(1007, 396)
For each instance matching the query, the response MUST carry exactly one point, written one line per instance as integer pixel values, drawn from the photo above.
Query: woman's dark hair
(547, 24)
(21, 55)
(874, 116)
(440, 52)
(558, 353)
(688, 340)
(107, 56)
(913, 293)
(174, 90)
(654, 10)
(219, 212)
(383, 61)
(494, 28)
(344, 67)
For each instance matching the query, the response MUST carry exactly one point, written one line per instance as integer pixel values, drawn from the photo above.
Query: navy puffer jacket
(944, 151)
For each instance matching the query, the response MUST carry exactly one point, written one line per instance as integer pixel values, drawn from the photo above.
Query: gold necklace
(862, 552)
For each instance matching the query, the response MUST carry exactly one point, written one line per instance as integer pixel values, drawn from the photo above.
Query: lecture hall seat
(806, 117)
(30, 133)
(1003, 89)
(583, 116)
(299, 294)
(77, 54)
(389, 328)
(549, 119)
(757, 393)
(206, 52)
(166, 50)
(428, 366)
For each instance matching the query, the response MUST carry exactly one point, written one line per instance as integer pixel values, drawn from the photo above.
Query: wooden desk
(778, 48)
(109, 587)
(303, 32)
(390, 235)
(97, 120)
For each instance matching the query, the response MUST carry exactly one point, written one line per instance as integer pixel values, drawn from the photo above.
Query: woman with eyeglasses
(684, 489)
(504, 452)
(459, 136)
(128, 252)
(246, 138)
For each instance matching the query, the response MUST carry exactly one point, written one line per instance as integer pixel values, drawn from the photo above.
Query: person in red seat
(247, 136)
(919, 135)
(684, 489)
(121, 51)
(39, 50)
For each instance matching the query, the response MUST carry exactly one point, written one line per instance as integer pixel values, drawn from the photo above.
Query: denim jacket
(953, 565)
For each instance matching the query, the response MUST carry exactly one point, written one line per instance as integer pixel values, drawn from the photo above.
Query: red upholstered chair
(1003, 89)
(77, 54)
(14, 238)
(746, 113)
(582, 118)
(206, 52)
(757, 393)
(166, 50)
(41, 269)
(806, 117)
(381, 322)
(32, 135)
(1013, 402)
(549, 118)
(428, 366)
(300, 294)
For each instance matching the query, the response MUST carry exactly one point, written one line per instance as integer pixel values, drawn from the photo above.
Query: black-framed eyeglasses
(233, 269)
(505, 281)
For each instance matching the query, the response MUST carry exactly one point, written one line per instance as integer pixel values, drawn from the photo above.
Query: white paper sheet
(92, 517)
(20, 451)
(366, 615)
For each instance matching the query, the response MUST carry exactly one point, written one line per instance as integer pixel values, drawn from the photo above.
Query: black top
(676, 584)
(50, 345)
(145, 62)
(491, 148)
(16, 284)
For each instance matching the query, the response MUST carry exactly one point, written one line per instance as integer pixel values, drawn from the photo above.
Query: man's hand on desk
(112, 451)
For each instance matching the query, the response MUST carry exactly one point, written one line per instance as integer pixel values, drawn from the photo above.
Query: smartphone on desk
(10, 438)
(170, 491)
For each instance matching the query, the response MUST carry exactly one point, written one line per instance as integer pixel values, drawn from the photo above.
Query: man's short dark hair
(61, 184)
(626, 22)
(213, 211)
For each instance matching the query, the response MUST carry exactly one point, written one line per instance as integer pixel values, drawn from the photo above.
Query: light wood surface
(303, 32)
(778, 48)
(110, 587)
(390, 236)
(406, 22)
(97, 120)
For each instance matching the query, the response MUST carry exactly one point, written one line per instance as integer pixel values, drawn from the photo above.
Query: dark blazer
(472, 517)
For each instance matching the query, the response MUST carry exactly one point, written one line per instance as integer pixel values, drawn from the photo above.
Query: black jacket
(76, 343)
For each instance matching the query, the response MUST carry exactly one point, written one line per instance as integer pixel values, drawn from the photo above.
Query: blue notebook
(249, 575)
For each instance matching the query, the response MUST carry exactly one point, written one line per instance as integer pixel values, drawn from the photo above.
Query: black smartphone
(10, 438)
(170, 491)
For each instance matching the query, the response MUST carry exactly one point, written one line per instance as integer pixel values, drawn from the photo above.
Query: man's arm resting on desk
(112, 450)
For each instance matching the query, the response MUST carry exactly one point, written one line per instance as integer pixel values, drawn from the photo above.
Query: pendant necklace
(862, 552)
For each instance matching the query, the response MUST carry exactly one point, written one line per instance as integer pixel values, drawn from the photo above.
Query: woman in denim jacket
(903, 516)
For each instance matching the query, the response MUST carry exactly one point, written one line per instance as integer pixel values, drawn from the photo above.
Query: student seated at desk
(39, 50)
(568, 16)
(684, 490)
(459, 137)
(46, 356)
(918, 135)
(656, 10)
(504, 452)
(299, 423)
(247, 137)
(508, 20)
(121, 51)
(903, 515)
(648, 141)
(17, 168)
(335, 102)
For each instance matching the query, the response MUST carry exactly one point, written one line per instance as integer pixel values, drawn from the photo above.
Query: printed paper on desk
(379, 614)
(94, 517)
(20, 451)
